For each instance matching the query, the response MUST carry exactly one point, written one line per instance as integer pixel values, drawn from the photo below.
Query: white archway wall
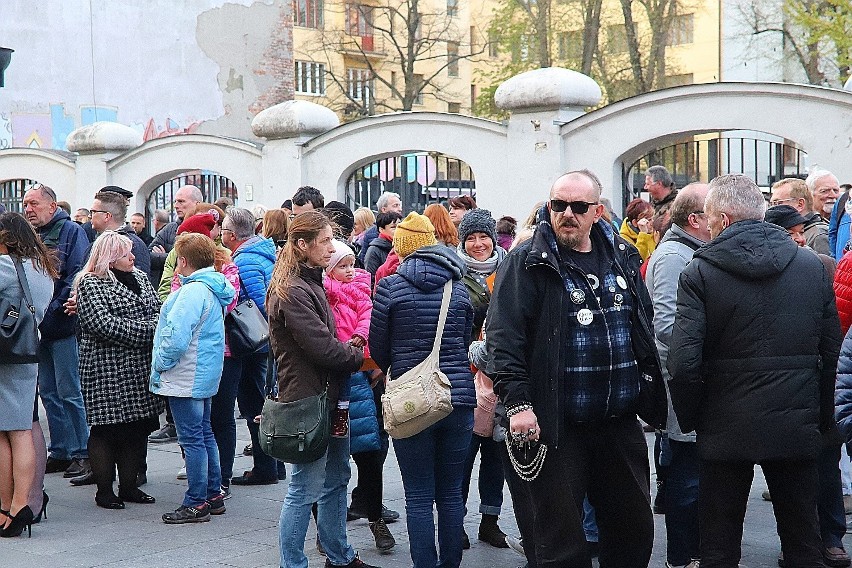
(329, 160)
(818, 119)
(50, 169)
(142, 170)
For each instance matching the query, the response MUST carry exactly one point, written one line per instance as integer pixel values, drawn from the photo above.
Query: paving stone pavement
(79, 534)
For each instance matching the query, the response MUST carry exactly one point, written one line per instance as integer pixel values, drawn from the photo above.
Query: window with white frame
(310, 78)
(308, 13)
(359, 84)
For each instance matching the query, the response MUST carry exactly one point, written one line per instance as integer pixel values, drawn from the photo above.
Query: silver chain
(527, 472)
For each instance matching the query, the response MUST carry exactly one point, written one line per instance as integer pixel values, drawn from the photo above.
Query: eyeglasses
(97, 211)
(577, 207)
(697, 213)
(774, 202)
(223, 229)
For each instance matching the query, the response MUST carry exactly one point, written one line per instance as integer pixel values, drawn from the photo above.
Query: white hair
(384, 198)
(815, 175)
(737, 196)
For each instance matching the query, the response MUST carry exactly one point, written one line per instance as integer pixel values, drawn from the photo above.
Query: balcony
(370, 46)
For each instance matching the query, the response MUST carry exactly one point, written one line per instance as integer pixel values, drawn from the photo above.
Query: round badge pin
(622, 283)
(619, 299)
(577, 296)
(585, 316)
(593, 280)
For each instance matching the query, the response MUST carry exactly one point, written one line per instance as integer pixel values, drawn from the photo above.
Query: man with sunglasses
(569, 338)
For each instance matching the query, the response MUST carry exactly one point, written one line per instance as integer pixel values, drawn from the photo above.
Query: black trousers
(608, 461)
(723, 492)
(367, 495)
(522, 505)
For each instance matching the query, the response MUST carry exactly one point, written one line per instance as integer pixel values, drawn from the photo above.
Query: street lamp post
(5, 58)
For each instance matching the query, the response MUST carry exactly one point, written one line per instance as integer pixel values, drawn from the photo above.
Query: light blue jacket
(189, 344)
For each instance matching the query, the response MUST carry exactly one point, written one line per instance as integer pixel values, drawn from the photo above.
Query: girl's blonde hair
(107, 248)
(306, 226)
(366, 217)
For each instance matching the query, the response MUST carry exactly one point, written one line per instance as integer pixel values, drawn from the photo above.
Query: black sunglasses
(577, 207)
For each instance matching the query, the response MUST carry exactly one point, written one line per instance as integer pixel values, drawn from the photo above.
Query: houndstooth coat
(117, 335)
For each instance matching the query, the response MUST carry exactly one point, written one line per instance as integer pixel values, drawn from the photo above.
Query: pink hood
(351, 305)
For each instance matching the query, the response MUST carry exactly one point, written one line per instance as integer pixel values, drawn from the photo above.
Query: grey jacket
(816, 234)
(661, 277)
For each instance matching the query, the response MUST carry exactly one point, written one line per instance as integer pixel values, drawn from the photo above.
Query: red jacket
(843, 291)
(388, 268)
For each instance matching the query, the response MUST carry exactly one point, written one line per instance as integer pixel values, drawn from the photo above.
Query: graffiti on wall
(49, 130)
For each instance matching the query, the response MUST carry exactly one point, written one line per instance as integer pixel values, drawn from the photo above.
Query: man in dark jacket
(661, 187)
(752, 361)
(109, 211)
(58, 378)
(570, 342)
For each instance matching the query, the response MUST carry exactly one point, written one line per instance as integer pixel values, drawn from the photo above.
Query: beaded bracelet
(517, 409)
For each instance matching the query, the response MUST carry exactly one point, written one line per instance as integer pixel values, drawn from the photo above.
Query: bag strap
(442, 319)
(25, 286)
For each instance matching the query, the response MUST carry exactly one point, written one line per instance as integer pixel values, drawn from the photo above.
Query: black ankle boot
(489, 532)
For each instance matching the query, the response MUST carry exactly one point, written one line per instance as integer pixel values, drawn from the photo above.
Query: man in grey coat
(687, 233)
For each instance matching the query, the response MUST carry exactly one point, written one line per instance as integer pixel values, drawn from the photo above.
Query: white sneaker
(182, 473)
(515, 544)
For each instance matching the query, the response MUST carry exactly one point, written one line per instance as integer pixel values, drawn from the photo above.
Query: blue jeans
(222, 417)
(251, 371)
(590, 522)
(832, 519)
(490, 474)
(322, 482)
(59, 387)
(432, 464)
(195, 436)
(682, 533)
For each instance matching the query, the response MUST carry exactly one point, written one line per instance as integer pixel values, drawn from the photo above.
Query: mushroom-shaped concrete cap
(550, 87)
(292, 119)
(103, 137)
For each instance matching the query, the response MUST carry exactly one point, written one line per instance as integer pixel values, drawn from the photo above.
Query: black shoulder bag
(247, 329)
(18, 327)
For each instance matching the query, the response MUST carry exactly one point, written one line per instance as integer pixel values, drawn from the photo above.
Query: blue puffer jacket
(363, 424)
(255, 259)
(405, 316)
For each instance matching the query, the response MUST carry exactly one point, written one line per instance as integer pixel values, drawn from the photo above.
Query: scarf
(484, 267)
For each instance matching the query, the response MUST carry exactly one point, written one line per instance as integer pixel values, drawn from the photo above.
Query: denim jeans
(682, 533)
(832, 519)
(490, 474)
(322, 482)
(59, 387)
(432, 465)
(251, 393)
(590, 522)
(222, 417)
(195, 436)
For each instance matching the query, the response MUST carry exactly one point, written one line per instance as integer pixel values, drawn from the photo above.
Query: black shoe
(78, 467)
(20, 520)
(45, 498)
(184, 514)
(167, 433)
(356, 563)
(141, 479)
(109, 502)
(247, 451)
(465, 540)
(249, 478)
(217, 504)
(384, 539)
(489, 532)
(282, 471)
(660, 499)
(388, 515)
(55, 465)
(87, 478)
(594, 548)
(136, 496)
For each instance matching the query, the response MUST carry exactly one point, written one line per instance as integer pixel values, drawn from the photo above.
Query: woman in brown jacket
(310, 359)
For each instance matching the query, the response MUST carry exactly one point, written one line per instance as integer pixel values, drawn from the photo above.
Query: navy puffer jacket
(405, 319)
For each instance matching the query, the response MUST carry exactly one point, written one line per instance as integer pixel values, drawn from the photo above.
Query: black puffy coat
(405, 317)
(754, 347)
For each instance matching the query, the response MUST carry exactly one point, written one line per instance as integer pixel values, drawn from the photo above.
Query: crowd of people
(711, 317)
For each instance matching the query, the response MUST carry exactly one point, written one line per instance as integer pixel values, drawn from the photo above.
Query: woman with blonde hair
(21, 250)
(310, 359)
(364, 219)
(118, 311)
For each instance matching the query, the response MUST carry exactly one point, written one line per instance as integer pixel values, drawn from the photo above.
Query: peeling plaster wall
(162, 67)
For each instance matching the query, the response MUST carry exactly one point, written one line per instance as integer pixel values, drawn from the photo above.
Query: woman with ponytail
(309, 360)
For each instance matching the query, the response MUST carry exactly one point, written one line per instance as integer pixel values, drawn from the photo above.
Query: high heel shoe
(21, 519)
(5, 514)
(44, 500)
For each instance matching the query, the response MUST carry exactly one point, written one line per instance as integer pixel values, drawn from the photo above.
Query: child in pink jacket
(348, 291)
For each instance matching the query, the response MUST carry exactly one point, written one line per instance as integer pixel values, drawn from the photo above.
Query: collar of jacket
(541, 253)
(314, 273)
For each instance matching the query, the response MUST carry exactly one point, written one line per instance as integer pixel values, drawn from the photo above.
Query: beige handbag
(486, 402)
(421, 396)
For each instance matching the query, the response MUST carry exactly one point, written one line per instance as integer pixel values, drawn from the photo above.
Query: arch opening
(12, 193)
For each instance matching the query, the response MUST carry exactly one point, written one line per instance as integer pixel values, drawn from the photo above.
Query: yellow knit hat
(413, 232)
